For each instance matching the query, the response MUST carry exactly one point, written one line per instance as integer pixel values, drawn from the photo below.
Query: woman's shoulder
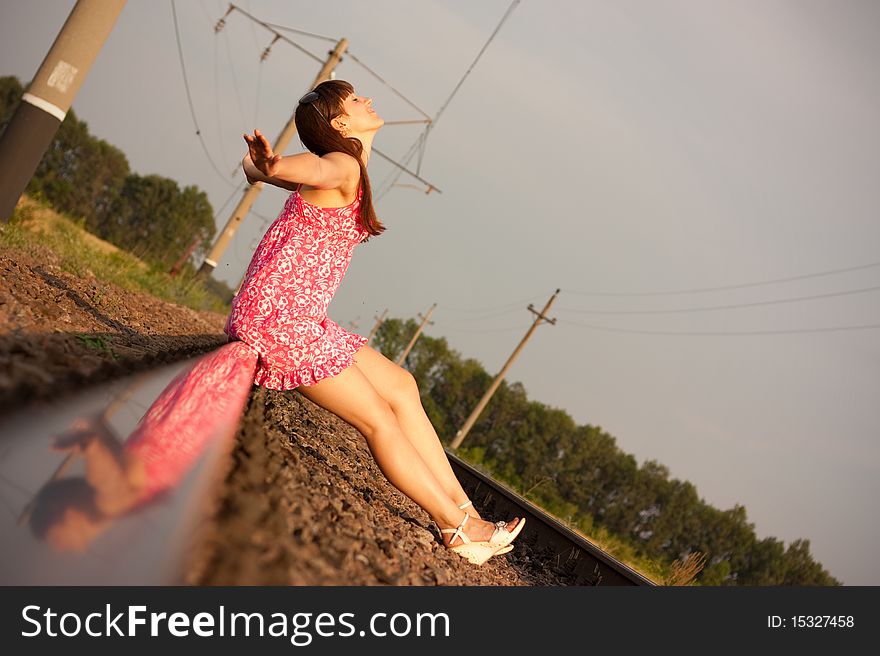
(347, 162)
(352, 169)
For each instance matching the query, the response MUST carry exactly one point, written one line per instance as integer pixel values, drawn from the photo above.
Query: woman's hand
(261, 154)
(250, 171)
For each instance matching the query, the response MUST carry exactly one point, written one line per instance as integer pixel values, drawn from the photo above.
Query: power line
(217, 104)
(709, 308)
(485, 317)
(382, 80)
(720, 333)
(479, 330)
(421, 140)
(189, 99)
(235, 84)
(725, 287)
(358, 61)
(238, 189)
(258, 93)
(404, 169)
(494, 307)
(303, 32)
(476, 59)
(278, 36)
(393, 176)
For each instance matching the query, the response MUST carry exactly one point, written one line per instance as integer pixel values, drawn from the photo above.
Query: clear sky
(605, 148)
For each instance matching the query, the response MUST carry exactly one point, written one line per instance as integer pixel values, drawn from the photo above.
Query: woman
(281, 311)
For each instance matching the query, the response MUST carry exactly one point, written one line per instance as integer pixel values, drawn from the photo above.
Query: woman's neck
(366, 140)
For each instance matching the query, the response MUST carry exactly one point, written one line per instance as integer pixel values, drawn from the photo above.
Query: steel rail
(586, 563)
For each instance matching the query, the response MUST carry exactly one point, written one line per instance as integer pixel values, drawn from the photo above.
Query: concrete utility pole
(379, 322)
(416, 336)
(460, 435)
(50, 95)
(250, 195)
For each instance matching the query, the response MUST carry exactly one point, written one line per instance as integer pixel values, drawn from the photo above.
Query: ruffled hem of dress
(310, 374)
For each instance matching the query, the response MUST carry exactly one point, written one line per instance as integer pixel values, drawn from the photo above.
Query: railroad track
(26, 465)
(583, 561)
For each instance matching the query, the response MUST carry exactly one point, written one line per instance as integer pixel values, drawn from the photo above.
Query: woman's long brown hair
(318, 135)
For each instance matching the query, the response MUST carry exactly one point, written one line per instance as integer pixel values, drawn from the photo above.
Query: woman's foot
(477, 530)
(483, 540)
(468, 507)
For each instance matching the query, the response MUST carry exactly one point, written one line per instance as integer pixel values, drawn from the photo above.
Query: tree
(579, 472)
(154, 219)
(79, 174)
(88, 178)
(10, 95)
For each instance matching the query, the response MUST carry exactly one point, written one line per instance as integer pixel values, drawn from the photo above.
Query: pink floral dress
(281, 308)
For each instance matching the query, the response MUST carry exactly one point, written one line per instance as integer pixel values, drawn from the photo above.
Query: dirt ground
(305, 504)
(302, 503)
(58, 332)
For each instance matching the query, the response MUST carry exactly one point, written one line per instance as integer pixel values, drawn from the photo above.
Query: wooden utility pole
(46, 101)
(250, 195)
(541, 317)
(416, 336)
(379, 322)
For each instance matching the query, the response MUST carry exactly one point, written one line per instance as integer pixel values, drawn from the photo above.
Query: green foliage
(10, 95)
(580, 475)
(156, 220)
(89, 180)
(79, 174)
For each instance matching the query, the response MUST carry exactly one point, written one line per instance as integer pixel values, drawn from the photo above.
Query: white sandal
(479, 552)
(502, 550)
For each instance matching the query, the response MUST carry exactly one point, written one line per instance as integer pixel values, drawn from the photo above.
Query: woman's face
(361, 115)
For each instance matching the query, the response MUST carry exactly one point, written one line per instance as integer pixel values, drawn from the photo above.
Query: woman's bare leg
(352, 397)
(398, 387)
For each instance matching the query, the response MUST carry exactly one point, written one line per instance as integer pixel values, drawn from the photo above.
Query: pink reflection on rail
(199, 409)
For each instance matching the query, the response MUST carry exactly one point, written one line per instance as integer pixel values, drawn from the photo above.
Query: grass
(35, 227)
(97, 343)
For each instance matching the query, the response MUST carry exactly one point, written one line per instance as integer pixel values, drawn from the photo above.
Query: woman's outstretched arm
(254, 175)
(331, 171)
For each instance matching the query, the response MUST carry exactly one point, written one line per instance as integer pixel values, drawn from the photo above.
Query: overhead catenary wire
(394, 175)
(303, 32)
(361, 63)
(726, 287)
(421, 140)
(278, 36)
(493, 307)
(480, 330)
(235, 85)
(259, 72)
(791, 331)
(403, 169)
(476, 59)
(712, 308)
(237, 190)
(217, 104)
(387, 84)
(190, 101)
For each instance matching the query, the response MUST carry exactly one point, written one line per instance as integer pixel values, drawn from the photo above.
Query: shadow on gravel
(80, 302)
